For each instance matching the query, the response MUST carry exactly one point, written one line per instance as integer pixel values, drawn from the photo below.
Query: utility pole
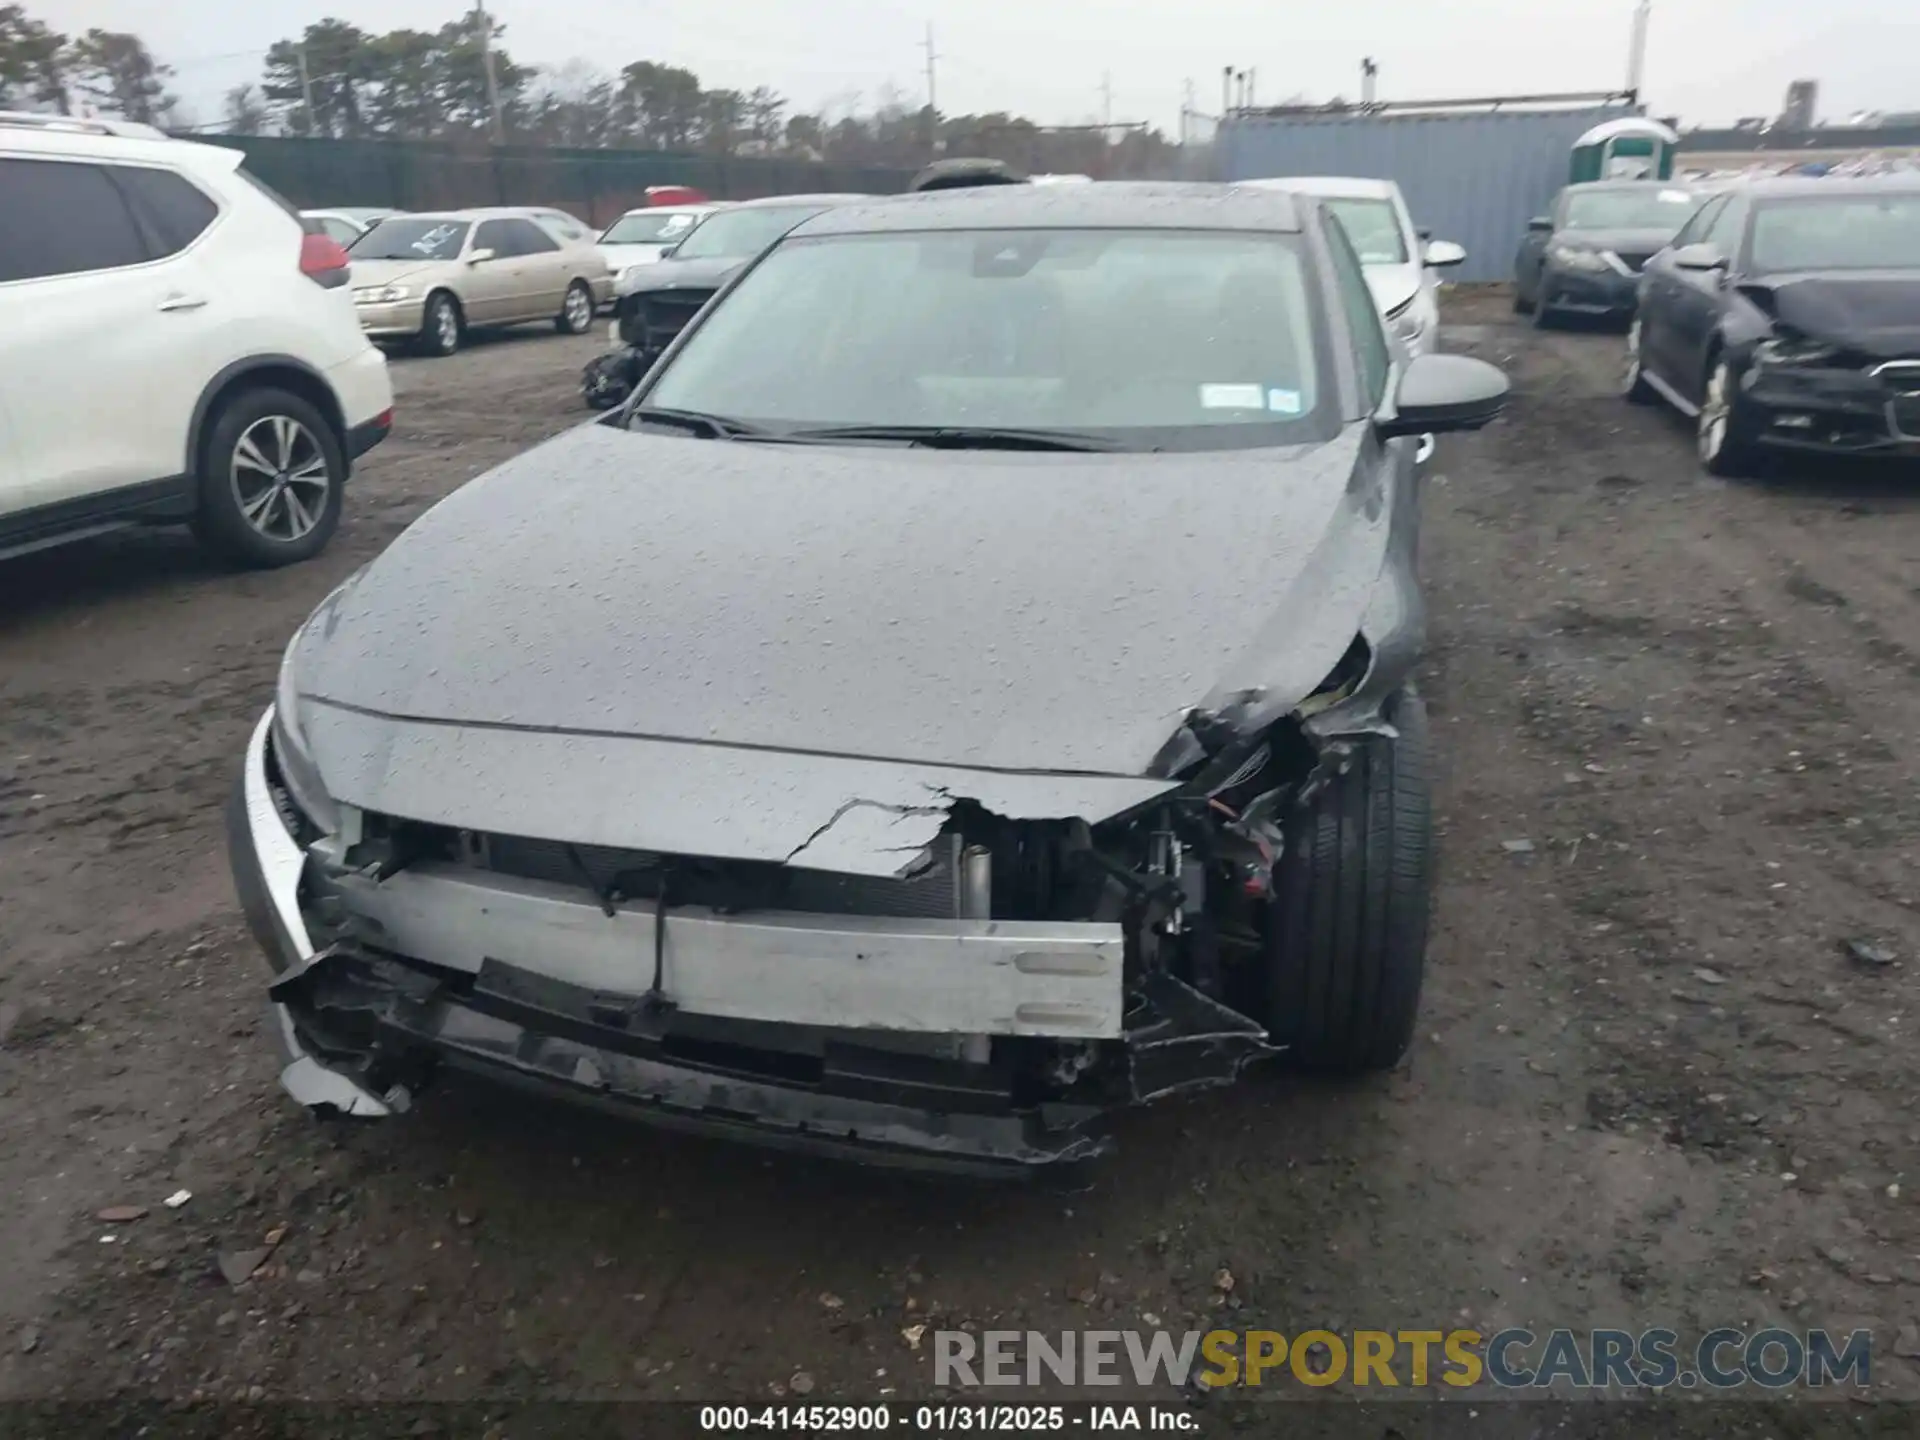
(1368, 70)
(485, 22)
(1637, 53)
(933, 101)
(1186, 114)
(1106, 99)
(306, 90)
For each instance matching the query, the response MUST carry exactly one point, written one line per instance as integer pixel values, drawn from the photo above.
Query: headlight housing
(1794, 351)
(298, 774)
(1568, 257)
(381, 295)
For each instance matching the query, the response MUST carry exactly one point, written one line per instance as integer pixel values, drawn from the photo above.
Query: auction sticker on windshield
(1232, 397)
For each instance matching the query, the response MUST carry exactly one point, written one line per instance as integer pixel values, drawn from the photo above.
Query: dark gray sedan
(1586, 255)
(1786, 317)
(964, 691)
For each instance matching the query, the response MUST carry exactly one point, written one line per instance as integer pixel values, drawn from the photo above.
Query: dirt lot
(1650, 1088)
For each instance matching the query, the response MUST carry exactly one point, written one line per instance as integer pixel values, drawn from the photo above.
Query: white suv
(174, 347)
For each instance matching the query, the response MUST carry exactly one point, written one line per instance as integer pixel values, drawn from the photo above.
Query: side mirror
(476, 257)
(1540, 224)
(1441, 393)
(1442, 254)
(1700, 256)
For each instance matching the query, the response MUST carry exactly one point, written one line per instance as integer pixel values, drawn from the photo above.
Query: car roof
(1802, 187)
(1122, 204)
(690, 208)
(34, 134)
(1585, 185)
(1338, 187)
(765, 201)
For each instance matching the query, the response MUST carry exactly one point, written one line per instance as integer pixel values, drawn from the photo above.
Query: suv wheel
(272, 478)
(1347, 934)
(576, 311)
(442, 327)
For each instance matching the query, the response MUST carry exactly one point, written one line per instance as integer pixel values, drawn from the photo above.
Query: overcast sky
(1708, 60)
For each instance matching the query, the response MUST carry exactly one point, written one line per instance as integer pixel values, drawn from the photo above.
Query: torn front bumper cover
(784, 1030)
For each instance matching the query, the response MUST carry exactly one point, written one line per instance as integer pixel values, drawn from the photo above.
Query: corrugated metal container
(1471, 178)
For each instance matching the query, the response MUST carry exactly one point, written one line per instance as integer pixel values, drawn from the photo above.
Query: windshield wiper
(714, 427)
(959, 437)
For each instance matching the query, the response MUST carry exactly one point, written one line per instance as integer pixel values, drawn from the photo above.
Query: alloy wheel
(280, 478)
(1631, 380)
(578, 310)
(446, 326)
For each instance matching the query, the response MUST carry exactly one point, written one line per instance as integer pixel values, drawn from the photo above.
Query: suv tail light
(323, 260)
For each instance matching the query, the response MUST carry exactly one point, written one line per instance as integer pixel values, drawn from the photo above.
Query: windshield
(1374, 228)
(737, 234)
(1143, 339)
(1651, 208)
(649, 227)
(1840, 232)
(399, 239)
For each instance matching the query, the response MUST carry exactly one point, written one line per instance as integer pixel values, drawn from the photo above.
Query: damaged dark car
(653, 302)
(1786, 317)
(965, 692)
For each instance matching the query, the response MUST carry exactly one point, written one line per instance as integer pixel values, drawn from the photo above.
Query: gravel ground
(1650, 1088)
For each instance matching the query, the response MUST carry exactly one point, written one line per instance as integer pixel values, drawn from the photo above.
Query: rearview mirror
(474, 257)
(1441, 254)
(1442, 393)
(1541, 223)
(1700, 256)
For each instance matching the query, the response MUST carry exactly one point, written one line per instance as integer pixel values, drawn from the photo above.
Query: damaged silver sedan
(962, 693)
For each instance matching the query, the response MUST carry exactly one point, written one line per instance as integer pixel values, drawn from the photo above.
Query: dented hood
(982, 610)
(1875, 312)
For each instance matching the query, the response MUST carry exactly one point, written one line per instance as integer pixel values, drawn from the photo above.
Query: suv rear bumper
(362, 438)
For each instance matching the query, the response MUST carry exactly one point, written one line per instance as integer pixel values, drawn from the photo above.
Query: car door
(545, 271)
(107, 326)
(1699, 300)
(1662, 288)
(493, 284)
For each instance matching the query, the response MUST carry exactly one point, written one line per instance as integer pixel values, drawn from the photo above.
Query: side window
(174, 211)
(530, 239)
(497, 236)
(1695, 229)
(63, 219)
(339, 230)
(1723, 230)
(1374, 359)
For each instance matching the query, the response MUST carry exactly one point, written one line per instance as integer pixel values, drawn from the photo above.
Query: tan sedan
(431, 279)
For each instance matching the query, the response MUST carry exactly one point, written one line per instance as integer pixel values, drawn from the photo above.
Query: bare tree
(246, 112)
(118, 73)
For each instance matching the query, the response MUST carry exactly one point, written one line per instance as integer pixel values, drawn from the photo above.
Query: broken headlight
(1794, 350)
(1572, 257)
(292, 757)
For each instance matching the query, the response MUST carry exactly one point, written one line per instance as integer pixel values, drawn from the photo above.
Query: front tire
(1634, 388)
(272, 481)
(576, 310)
(1724, 435)
(1348, 930)
(442, 325)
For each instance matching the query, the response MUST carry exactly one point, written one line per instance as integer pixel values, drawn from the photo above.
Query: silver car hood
(771, 612)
